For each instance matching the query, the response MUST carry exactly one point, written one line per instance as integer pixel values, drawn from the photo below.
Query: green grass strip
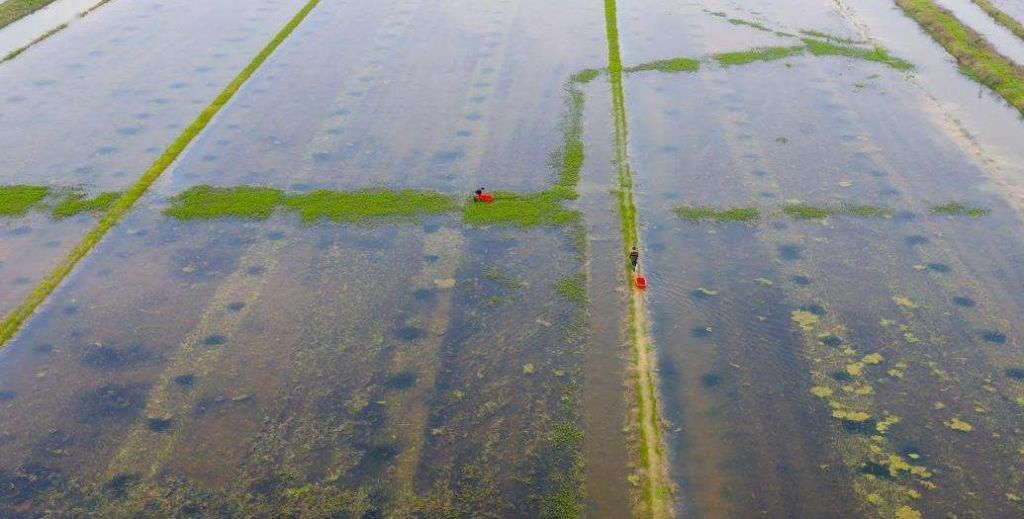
(78, 203)
(734, 214)
(14, 320)
(17, 52)
(18, 200)
(1011, 23)
(978, 59)
(666, 65)
(14, 10)
(744, 57)
(748, 23)
(877, 54)
(829, 37)
(958, 209)
(368, 205)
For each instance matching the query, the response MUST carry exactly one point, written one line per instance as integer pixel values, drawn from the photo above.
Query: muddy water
(439, 95)
(748, 436)
(279, 368)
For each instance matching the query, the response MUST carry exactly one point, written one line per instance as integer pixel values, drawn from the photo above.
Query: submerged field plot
(296, 310)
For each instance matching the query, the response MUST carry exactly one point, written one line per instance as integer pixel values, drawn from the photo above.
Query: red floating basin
(641, 282)
(486, 197)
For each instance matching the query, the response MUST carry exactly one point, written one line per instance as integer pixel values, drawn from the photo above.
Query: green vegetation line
(977, 58)
(1011, 23)
(17, 52)
(14, 320)
(14, 10)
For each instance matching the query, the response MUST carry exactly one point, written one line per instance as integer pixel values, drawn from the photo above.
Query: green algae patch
(208, 202)
(520, 210)
(958, 209)
(976, 56)
(367, 205)
(572, 289)
(748, 23)
(876, 54)
(729, 59)
(78, 203)
(806, 212)
(959, 425)
(585, 76)
(735, 214)
(19, 199)
(806, 320)
(668, 66)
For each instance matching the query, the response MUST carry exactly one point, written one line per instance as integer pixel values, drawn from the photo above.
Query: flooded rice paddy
(304, 316)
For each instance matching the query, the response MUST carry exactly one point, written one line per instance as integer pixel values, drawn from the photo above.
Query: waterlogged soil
(767, 329)
(278, 368)
(430, 95)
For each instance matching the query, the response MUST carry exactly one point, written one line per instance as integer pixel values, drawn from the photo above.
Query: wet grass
(207, 202)
(876, 54)
(702, 213)
(14, 320)
(731, 59)
(585, 76)
(14, 10)
(805, 212)
(368, 205)
(958, 209)
(748, 23)
(1011, 23)
(78, 203)
(572, 289)
(18, 200)
(801, 211)
(17, 52)
(828, 37)
(977, 58)
(672, 65)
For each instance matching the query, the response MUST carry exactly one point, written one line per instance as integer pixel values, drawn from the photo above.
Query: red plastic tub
(641, 282)
(486, 197)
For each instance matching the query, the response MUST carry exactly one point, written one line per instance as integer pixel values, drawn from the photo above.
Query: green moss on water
(206, 202)
(572, 288)
(958, 209)
(501, 277)
(748, 23)
(802, 211)
(78, 203)
(876, 54)
(367, 205)
(865, 211)
(734, 214)
(668, 66)
(19, 199)
(585, 76)
(728, 59)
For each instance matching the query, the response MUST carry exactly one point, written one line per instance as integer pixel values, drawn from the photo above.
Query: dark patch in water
(255, 271)
(876, 469)
(701, 332)
(446, 157)
(7, 395)
(111, 401)
(877, 173)
(410, 333)
(801, 280)
(904, 216)
(790, 252)
(963, 301)
(43, 348)
(214, 340)
(401, 381)
(431, 228)
(275, 235)
(103, 356)
(431, 258)
(831, 340)
(69, 310)
(24, 484)
(185, 380)
(710, 380)
(236, 306)
(841, 376)
(915, 239)
(159, 425)
(1015, 373)
(867, 427)
(423, 294)
(118, 486)
(994, 337)
(321, 157)
(815, 309)
(939, 267)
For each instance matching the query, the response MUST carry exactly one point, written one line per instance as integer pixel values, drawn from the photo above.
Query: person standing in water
(634, 258)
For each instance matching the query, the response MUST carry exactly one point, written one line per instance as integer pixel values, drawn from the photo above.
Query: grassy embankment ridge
(1012, 24)
(120, 207)
(655, 484)
(16, 52)
(977, 58)
(804, 211)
